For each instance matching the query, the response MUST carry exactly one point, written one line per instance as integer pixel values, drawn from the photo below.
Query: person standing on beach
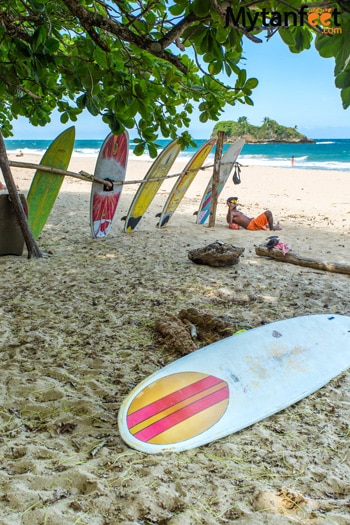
(235, 218)
(292, 161)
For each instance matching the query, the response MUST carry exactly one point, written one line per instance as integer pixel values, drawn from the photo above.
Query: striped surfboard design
(177, 407)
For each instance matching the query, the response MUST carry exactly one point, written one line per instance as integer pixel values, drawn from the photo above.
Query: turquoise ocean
(324, 154)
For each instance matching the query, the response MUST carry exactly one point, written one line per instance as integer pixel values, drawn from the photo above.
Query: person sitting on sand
(2, 186)
(235, 218)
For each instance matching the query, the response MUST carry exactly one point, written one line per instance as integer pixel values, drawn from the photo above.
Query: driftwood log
(216, 254)
(294, 258)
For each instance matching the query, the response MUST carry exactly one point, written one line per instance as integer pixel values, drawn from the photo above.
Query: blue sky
(294, 89)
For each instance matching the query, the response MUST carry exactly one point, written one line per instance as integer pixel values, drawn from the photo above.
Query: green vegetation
(270, 131)
(146, 65)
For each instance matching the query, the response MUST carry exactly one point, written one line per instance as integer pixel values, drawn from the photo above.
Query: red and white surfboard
(231, 384)
(110, 166)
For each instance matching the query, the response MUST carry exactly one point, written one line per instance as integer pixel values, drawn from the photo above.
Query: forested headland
(269, 131)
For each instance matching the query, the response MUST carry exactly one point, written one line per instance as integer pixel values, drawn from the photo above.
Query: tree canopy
(146, 64)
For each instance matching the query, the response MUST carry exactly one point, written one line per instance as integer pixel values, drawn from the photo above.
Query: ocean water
(325, 154)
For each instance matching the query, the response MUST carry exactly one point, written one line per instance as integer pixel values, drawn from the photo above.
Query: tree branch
(89, 20)
(175, 33)
(19, 88)
(13, 29)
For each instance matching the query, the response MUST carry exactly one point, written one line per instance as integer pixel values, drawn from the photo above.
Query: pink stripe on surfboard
(181, 415)
(206, 201)
(171, 399)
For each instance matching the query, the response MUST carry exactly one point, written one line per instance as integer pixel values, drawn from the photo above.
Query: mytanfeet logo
(326, 19)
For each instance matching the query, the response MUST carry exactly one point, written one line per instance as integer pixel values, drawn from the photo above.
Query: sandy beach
(77, 333)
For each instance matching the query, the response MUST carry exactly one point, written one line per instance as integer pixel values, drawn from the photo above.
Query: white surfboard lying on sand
(229, 385)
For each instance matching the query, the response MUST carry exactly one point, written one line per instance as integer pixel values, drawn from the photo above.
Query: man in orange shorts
(237, 219)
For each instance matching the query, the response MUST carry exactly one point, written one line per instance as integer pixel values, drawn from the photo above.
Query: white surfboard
(227, 162)
(229, 385)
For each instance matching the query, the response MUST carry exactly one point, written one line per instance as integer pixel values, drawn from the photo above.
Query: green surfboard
(45, 186)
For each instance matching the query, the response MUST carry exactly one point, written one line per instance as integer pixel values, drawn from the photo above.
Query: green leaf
(116, 126)
(248, 101)
(287, 37)
(203, 42)
(177, 9)
(201, 8)
(345, 96)
(299, 39)
(37, 6)
(100, 57)
(221, 34)
(326, 45)
(242, 77)
(51, 45)
(251, 83)
(215, 48)
(139, 149)
(215, 67)
(343, 79)
(172, 76)
(203, 117)
(81, 101)
(38, 38)
(152, 150)
(92, 106)
(64, 118)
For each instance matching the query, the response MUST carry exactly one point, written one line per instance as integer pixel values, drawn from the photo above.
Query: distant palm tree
(243, 122)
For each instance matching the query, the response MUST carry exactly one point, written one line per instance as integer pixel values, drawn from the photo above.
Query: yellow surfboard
(183, 182)
(147, 190)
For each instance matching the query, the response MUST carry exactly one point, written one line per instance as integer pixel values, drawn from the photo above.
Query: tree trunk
(32, 248)
(216, 179)
(293, 258)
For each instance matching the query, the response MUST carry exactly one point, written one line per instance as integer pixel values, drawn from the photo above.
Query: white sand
(77, 332)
